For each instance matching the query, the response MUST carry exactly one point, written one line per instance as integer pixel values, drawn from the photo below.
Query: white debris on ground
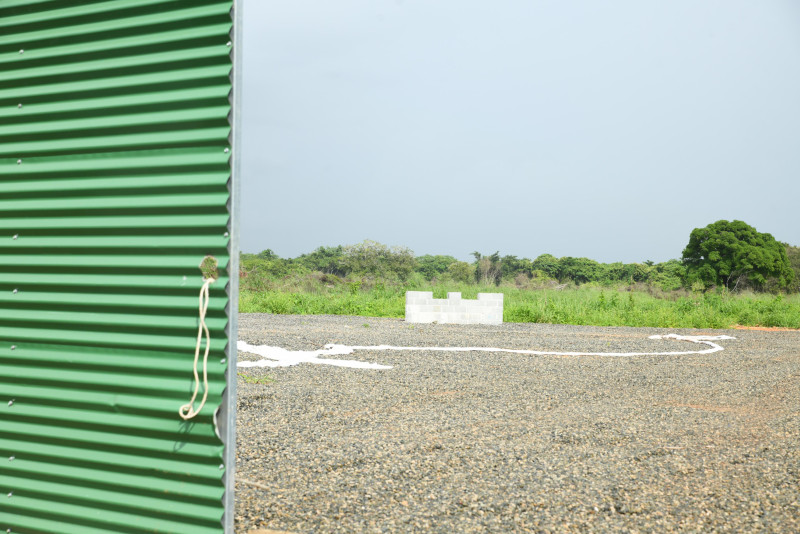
(279, 357)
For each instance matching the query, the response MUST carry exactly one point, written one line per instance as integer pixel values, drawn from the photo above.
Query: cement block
(421, 307)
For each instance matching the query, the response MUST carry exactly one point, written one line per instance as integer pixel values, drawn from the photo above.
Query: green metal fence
(116, 182)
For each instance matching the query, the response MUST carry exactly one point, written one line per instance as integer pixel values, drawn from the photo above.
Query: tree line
(725, 254)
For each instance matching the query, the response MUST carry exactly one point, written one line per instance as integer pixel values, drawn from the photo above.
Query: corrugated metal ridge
(166, 37)
(56, 14)
(115, 170)
(85, 22)
(99, 263)
(108, 300)
(174, 99)
(127, 282)
(180, 163)
(144, 83)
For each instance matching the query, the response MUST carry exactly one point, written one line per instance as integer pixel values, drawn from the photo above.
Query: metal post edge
(228, 412)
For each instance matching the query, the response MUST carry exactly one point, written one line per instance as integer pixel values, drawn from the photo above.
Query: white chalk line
(279, 357)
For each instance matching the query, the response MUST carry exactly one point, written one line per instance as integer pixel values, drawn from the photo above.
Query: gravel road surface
(492, 442)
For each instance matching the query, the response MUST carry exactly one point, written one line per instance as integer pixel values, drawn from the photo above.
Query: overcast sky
(577, 128)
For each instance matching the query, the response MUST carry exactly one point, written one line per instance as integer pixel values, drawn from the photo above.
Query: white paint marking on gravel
(279, 357)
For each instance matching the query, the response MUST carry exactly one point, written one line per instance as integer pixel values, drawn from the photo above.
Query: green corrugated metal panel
(115, 172)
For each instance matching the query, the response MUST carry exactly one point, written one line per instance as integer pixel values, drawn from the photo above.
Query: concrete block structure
(421, 307)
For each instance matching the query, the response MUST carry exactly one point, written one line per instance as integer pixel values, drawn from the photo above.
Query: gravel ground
(488, 442)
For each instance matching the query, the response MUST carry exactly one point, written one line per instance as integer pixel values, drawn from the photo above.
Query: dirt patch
(765, 328)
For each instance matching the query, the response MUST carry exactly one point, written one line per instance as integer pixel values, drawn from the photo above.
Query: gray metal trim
(229, 398)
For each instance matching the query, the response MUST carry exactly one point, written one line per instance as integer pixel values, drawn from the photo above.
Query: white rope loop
(187, 411)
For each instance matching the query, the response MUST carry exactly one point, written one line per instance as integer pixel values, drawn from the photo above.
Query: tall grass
(581, 306)
(631, 308)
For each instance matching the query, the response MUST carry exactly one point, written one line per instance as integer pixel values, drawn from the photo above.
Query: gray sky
(578, 128)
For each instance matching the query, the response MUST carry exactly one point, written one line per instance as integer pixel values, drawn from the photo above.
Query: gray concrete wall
(421, 307)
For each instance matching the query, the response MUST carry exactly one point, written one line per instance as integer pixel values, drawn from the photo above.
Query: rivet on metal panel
(12, 458)
(15, 291)
(10, 494)
(21, 51)
(223, 360)
(15, 236)
(19, 106)
(226, 234)
(19, 161)
(13, 347)
(227, 150)
(11, 402)
(221, 467)
(230, 43)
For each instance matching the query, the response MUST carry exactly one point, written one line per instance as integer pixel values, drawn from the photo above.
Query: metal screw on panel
(15, 291)
(21, 51)
(223, 360)
(12, 458)
(10, 493)
(19, 106)
(227, 150)
(13, 347)
(221, 467)
(11, 402)
(225, 234)
(15, 236)
(229, 43)
(19, 161)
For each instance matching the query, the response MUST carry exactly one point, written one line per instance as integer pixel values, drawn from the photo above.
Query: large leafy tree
(793, 253)
(433, 266)
(726, 253)
(324, 259)
(579, 270)
(488, 269)
(370, 258)
(547, 263)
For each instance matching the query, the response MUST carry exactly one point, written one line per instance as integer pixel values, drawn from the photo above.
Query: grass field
(581, 306)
